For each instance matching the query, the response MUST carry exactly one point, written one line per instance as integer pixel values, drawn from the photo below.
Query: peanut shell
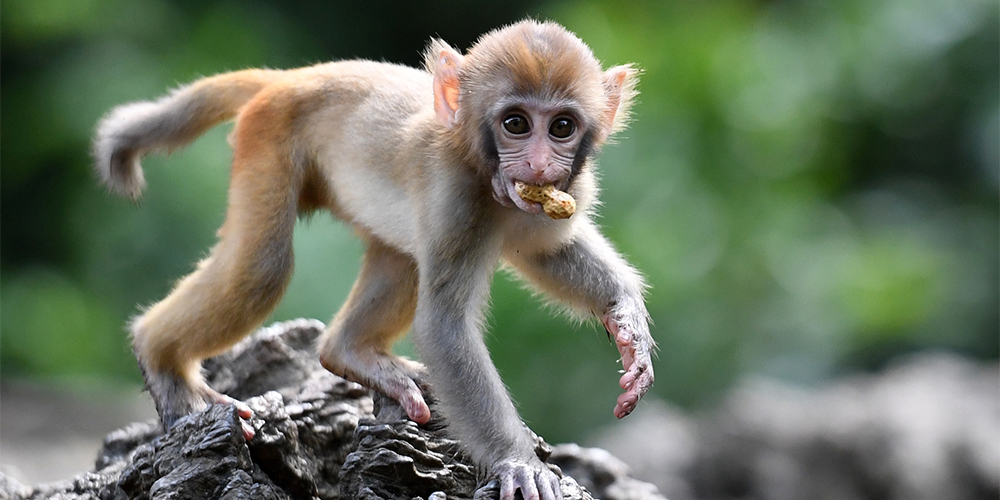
(556, 204)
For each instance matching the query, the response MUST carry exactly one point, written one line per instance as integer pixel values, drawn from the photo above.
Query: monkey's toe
(406, 392)
(182, 400)
(248, 432)
(416, 408)
(211, 396)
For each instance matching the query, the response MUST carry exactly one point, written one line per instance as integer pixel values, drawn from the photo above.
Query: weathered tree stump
(318, 436)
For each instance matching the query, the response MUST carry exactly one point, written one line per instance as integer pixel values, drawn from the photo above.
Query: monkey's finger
(623, 338)
(554, 481)
(627, 380)
(622, 411)
(628, 400)
(545, 491)
(638, 378)
(526, 478)
(626, 403)
(610, 325)
(643, 381)
(507, 487)
(627, 361)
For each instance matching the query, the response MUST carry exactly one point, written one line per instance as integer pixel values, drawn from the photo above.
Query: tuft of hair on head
(547, 60)
(538, 56)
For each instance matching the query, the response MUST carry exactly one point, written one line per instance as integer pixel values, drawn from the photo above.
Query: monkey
(422, 164)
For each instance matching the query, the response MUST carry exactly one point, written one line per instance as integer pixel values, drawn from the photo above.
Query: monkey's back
(357, 118)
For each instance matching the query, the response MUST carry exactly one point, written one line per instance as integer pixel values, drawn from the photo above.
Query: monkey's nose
(537, 168)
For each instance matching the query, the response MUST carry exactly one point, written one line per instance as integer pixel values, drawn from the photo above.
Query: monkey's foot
(535, 480)
(391, 375)
(635, 346)
(175, 397)
(214, 397)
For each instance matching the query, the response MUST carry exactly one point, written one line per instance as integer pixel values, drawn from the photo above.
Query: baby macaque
(423, 164)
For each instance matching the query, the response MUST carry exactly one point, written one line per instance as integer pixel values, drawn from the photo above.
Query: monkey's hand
(630, 329)
(535, 480)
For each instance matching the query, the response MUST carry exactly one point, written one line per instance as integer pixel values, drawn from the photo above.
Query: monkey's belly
(376, 205)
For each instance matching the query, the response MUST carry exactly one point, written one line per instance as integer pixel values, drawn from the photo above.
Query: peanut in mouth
(556, 204)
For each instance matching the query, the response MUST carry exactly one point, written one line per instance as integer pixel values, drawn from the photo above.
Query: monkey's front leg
(453, 288)
(588, 274)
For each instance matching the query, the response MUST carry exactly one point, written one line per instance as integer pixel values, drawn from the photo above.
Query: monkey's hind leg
(378, 311)
(227, 296)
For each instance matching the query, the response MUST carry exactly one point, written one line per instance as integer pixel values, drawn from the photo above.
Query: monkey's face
(535, 144)
(528, 103)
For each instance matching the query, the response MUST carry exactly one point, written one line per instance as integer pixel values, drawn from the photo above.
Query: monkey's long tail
(131, 131)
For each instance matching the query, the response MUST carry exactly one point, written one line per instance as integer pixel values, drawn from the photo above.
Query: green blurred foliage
(810, 187)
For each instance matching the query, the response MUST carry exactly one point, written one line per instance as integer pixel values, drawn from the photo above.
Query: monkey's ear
(619, 87)
(446, 86)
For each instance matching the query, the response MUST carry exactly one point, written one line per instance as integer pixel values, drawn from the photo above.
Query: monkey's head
(528, 102)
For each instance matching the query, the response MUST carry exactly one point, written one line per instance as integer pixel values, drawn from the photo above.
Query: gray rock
(601, 473)
(318, 436)
(926, 428)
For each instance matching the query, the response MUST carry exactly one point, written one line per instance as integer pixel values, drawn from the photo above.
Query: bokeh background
(810, 187)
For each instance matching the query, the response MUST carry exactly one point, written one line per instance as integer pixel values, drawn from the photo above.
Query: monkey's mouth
(527, 206)
(505, 194)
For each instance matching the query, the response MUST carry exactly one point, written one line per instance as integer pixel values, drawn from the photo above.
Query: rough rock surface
(925, 428)
(318, 436)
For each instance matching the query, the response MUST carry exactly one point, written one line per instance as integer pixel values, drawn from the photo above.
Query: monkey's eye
(562, 128)
(516, 124)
